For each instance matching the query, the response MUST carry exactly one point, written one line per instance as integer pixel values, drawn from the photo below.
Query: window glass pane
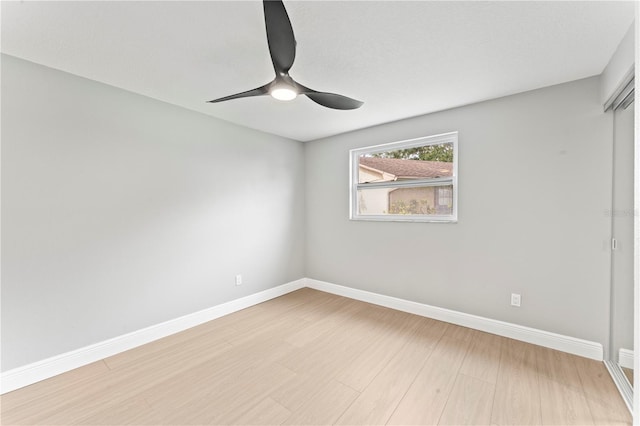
(423, 162)
(414, 180)
(411, 201)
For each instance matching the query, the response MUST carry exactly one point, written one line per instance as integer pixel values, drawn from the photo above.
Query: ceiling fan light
(283, 93)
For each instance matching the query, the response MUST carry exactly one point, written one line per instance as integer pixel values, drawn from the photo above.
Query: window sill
(404, 219)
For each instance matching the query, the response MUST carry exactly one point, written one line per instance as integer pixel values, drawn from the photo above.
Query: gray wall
(120, 212)
(534, 188)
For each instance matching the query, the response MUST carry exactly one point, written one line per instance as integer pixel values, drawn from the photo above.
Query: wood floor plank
(324, 406)
(558, 366)
(134, 411)
(120, 387)
(605, 403)
(313, 331)
(427, 396)
(277, 328)
(221, 401)
(29, 395)
(604, 414)
(129, 384)
(231, 402)
(469, 403)
(266, 412)
(483, 357)
(82, 401)
(296, 391)
(345, 341)
(216, 372)
(562, 404)
(391, 335)
(517, 395)
(377, 402)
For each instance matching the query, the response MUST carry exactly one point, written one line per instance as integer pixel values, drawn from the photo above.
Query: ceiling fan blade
(282, 47)
(282, 43)
(260, 91)
(331, 100)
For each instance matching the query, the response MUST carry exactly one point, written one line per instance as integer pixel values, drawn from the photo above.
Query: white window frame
(354, 154)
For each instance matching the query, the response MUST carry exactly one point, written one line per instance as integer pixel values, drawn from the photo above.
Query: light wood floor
(315, 358)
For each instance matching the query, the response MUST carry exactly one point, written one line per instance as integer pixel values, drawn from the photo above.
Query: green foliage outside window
(442, 153)
(413, 207)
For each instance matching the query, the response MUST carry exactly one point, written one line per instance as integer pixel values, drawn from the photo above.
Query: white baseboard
(547, 339)
(625, 358)
(40, 370)
(44, 369)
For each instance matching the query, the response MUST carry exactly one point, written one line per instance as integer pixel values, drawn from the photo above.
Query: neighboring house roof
(408, 169)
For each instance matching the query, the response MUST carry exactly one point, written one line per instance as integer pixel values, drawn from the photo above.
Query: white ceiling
(401, 58)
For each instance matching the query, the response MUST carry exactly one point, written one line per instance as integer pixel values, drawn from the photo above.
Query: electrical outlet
(515, 300)
(238, 279)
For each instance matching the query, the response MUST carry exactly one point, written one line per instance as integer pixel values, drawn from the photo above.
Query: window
(413, 180)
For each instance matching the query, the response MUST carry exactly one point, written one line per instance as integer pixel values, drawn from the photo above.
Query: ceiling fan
(282, 47)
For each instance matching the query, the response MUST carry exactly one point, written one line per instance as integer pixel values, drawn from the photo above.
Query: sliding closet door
(622, 228)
